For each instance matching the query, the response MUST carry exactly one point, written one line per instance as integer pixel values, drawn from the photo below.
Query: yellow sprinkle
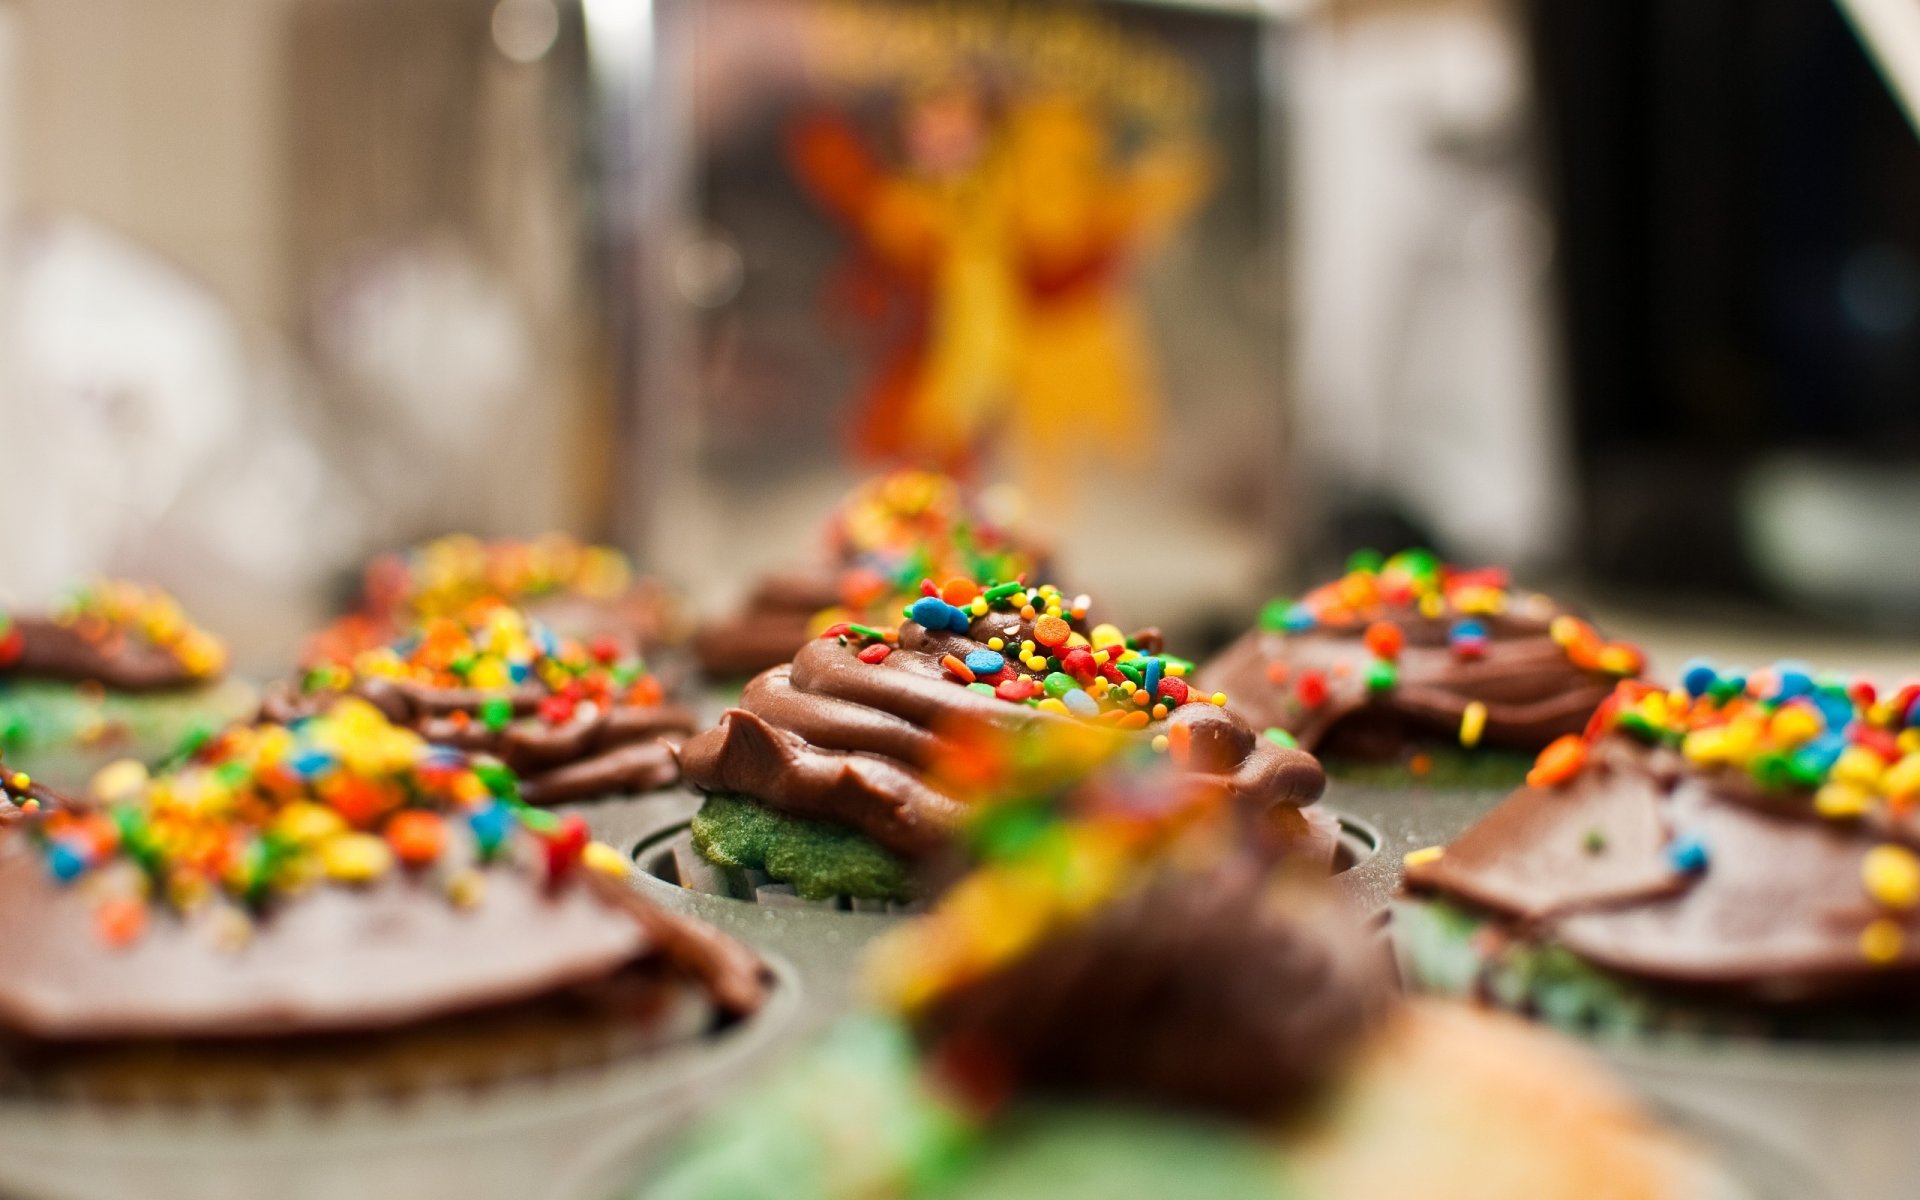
(1159, 712)
(1421, 857)
(1880, 713)
(355, 857)
(605, 859)
(1838, 800)
(1881, 941)
(1618, 660)
(1108, 637)
(1564, 629)
(1795, 725)
(994, 643)
(1433, 606)
(467, 888)
(308, 824)
(1473, 723)
(1860, 767)
(978, 608)
(1053, 704)
(1908, 741)
(1219, 699)
(1160, 742)
(22, 781)
(1706, 747)
(1129, 686)
(1891, 875)
(1027, 648)
(1176, 669)
(1902, 780)
(1101, 658)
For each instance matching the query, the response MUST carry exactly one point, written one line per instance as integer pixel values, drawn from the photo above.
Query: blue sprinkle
(986, 662)
(1688, 854)
(1795, 680)
(65, 861)
(1468, 631)
(1150, 681)
(1836, 707)
(309, 763)
(519, 672)
(1913, 712)
(1299, 619)
(1080, 704)
(1697, 676)
(491, 825)
(1824, 750)
(930, 611)
(958, 619)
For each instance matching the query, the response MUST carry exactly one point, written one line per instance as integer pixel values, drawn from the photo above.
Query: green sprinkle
(1369, 561)
(499, 780)
(1059, 684)
(1000, 591)
(866, 631)
(1281, 737)
(1381, 675)
(1273, 615)
(985, 689)
(1595, 841)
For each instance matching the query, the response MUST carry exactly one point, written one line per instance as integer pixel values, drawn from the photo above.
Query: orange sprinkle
(121, 922)
(1385, 640)
(417, 837)
(1051, 631)
(1277, 672)
(959, 592)
(1421, 765)
(958, 666)
(1134, 720)
(1559, 762)
(1180, 743)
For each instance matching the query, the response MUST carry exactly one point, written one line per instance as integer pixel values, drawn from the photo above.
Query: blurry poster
(1022, 242)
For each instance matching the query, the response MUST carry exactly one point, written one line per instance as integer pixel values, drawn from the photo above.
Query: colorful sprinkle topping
(912, 524)
(263, 813)
(108, 610)
(444, 577)
(1379, 598)
(1055, 831)
(1063, 665)
(513, 659)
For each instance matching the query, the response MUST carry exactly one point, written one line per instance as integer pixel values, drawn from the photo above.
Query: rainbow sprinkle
(444, 577)
(110, 609)
(264, 813)
(1065, 667)
(497, 649)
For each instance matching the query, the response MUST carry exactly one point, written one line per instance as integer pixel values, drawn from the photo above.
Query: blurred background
(1625, 293)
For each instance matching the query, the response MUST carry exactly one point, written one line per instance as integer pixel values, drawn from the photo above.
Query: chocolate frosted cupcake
(1107, 1007)
(331, 920)
(1721, 882)
(581, 591)
(822, 777)
(116, 671)
(1407, 663)
(573, 723)
(891, 533)
(21, 795)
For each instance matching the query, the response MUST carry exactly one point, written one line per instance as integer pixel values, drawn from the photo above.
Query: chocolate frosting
(1774, 914)
(335, 959)
(1531, 690)
(107, 655)
(1197, 989)
(837, 739)
(617, 750)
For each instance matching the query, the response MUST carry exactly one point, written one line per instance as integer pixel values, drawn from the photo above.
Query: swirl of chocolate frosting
(1416, 653)
(1202, 989)
(1787, 878)
(609, 740)
(114, 633)
(845, 736)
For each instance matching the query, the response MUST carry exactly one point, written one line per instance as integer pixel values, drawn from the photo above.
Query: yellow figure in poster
(997, 259)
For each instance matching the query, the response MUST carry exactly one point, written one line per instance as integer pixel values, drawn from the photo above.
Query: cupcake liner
(578, 1133)
(1835, 1114)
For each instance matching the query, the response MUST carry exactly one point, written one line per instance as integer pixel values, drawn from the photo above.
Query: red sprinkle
(604, 649)
(876, 653)
(837, 629)
(556, 710)
(1311, 688)
(1173, 691)
(1015, 689)
(1078, 662)
(565, 845)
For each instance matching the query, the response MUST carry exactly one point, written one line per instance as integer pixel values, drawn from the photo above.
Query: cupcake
(346, 935)
(1107, 1007)
(573, 723)
(1721, 877)
(116, 671)
(581, 591)
(821, 778)
(892, 532)
(1409, 667)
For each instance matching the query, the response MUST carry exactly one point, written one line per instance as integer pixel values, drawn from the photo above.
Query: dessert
(822, 776)
(573, 722)
(1734, 855)
(327, 909)
(581, 591)
(1406, 662)
(115, 671)
(892, 532)
(1120, 1004)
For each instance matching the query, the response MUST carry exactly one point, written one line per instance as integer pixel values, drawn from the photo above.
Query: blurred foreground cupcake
(364, 944)
(116, 671)
(1720, 881)
(1107, 1009)
(892, 532)
(824, 777)
(573, 723)
(581, 591)
(1410, 667)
